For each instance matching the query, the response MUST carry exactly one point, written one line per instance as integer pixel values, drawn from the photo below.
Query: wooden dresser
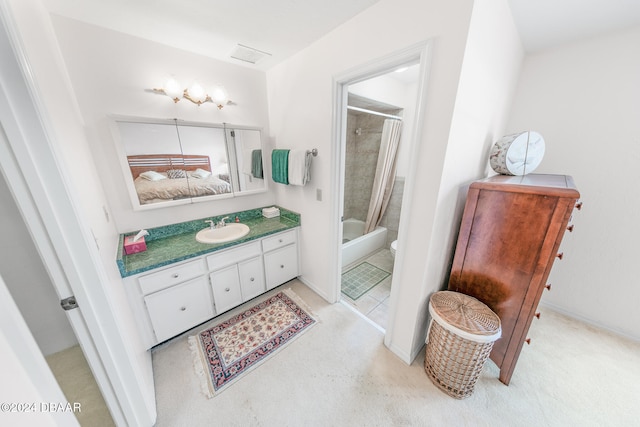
(509, 238)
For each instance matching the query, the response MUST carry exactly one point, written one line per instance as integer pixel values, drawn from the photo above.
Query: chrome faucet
(222, 222)
(211, 223)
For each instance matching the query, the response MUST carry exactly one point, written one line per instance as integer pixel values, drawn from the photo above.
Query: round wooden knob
(560, 255)
(570, 228)
(537, 315)
(579, 205)
(548, 287)
(528, 340)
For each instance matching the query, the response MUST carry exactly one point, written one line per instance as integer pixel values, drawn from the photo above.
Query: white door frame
(420, 52)
(35, 178)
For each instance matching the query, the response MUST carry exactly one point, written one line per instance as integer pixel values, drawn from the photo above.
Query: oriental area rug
(230, 349)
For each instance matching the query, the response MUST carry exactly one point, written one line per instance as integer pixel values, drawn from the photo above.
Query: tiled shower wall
(360, 164)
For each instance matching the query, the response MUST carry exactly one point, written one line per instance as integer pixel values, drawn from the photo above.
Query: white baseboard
(583, 319)
(314, 288)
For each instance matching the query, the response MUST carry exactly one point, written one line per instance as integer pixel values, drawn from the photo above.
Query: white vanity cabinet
(170, 300)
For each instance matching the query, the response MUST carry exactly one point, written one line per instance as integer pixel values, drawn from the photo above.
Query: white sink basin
(227, 233)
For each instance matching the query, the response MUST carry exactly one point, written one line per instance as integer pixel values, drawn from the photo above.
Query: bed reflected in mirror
(173, 162)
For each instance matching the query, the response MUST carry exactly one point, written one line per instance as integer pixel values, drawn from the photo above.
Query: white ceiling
(545, 23)
(283, 27)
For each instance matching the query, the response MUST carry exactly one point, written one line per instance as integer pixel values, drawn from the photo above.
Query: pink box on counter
(131, 247)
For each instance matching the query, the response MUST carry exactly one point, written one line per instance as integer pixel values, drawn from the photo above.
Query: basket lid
(465, 313)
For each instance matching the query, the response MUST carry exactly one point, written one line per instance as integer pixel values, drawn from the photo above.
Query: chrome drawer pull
(252, 279)
(183, 308)
(227, 289)
(175, 275)
(281, 265)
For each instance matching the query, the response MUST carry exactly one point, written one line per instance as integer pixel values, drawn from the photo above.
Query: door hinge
(69, 303)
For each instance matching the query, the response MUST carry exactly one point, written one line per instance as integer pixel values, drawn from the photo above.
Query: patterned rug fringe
(200, 363)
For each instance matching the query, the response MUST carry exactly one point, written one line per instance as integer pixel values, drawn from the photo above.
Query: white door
(28, 382)
(34, 176)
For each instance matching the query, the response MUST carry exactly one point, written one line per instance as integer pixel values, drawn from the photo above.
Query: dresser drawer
(233, 255)
(162, 279)
(279, 240)
(181, 307)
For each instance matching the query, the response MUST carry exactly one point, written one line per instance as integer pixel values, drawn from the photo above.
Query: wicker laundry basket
(461, 335)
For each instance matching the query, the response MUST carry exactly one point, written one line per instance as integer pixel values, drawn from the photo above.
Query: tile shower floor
(374, 304)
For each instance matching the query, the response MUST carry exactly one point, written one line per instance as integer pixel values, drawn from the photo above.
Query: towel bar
(314, 152)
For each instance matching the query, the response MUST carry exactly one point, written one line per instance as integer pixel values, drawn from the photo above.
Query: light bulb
(173, 90)
(219, 96)
(197, 94)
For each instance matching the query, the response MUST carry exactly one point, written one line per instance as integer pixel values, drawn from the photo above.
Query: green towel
(256, 163)
(280, 166)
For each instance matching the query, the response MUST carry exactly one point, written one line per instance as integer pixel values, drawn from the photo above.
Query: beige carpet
(78, 385)
(340, 374)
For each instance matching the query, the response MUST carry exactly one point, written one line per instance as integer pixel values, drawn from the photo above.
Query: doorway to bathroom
(380, 115)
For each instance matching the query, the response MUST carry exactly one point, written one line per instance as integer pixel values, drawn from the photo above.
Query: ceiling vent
(248, 54)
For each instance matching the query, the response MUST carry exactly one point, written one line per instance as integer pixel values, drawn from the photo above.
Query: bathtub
(355, 245)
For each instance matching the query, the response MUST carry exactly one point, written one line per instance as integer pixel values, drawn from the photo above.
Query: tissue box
(131, 247)
(271, 212)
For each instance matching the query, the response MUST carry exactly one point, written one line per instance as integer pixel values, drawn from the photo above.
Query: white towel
(299, 167)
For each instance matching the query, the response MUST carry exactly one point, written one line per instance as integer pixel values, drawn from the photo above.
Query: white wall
(306, 121)
(112, 73)
(584, 98)
(488, 76)
(28, 281)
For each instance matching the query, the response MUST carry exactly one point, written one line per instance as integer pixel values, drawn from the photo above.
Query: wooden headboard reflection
(164, 162)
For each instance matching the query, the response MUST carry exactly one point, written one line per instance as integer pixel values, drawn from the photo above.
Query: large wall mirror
(170, 162)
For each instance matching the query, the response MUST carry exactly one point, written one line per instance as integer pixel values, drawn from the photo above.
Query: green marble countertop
(177, 242)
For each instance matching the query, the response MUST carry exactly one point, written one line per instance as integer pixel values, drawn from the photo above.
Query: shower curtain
(385, 173)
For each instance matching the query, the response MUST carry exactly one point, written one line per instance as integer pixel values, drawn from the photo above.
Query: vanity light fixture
(196, 93)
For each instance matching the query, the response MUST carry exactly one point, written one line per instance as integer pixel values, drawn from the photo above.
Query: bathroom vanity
(179, 283)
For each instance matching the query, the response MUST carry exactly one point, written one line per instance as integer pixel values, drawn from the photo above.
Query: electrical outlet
(318, 194)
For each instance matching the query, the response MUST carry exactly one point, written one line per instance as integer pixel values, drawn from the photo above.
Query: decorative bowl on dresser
(511, 230)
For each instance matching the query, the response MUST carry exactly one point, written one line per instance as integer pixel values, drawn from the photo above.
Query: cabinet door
(281, 265)
(225, 284)
(251, 278)
(179, 308)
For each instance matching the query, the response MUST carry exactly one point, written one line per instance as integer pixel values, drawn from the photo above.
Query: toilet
(393, 247)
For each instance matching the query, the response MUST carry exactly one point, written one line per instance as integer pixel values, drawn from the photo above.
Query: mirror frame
(231, 158)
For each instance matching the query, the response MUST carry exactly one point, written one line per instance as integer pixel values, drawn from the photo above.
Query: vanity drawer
(233, 255)
(281, 265)
(162, 279)
(181, 307)
(279, 240)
